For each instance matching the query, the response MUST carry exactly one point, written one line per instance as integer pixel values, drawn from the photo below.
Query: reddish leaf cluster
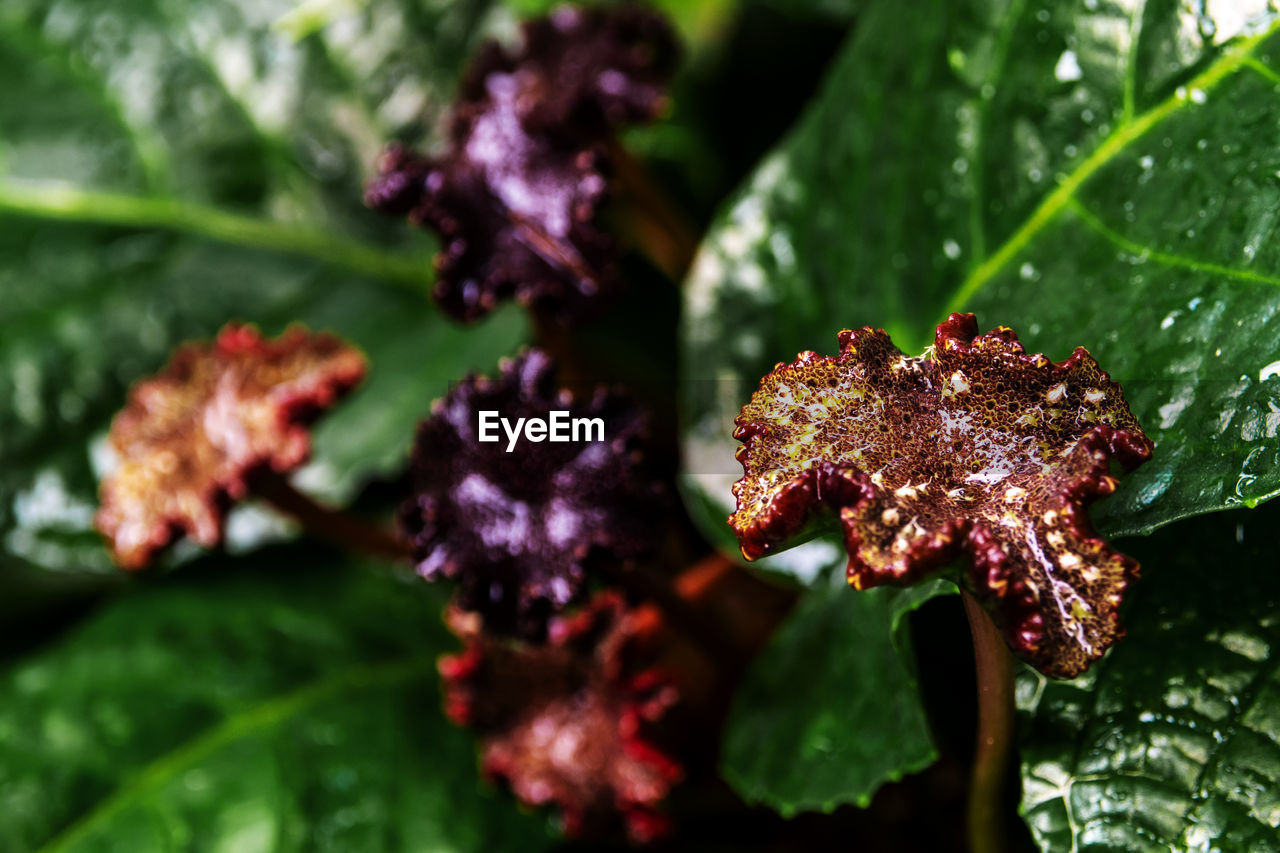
(975, 447)
(516, 529)
(191, 436)
(567, 723)
(515, 199)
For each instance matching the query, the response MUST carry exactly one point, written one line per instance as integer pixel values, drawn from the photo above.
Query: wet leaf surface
(1172, 742)
(167, 168)
(251, 709)
(1084, 176)
(829, 710)
(1090, 174)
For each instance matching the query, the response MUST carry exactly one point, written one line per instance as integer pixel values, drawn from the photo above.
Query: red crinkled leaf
(974, 447)
(191, 436)
(589, 68)
(518, 530)
(515, 198)
(567, 723)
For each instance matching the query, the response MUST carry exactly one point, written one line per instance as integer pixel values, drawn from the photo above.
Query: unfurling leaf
(516, 197)
(516, 522)
(587, 70)
(567, 722)
(190, 437)
(974, 447)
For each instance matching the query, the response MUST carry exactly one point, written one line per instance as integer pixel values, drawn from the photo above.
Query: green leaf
(1171, 742)
(1084, 176)
(829, 711)
(292, 705)
(168, 167)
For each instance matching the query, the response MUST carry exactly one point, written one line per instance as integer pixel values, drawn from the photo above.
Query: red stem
(329, 524)
(996, 712)
(659, 225)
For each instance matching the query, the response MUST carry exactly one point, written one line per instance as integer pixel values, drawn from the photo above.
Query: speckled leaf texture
(248, 709)
(977, 449)
(1091, 174)
(1172, 742)
(168, 167)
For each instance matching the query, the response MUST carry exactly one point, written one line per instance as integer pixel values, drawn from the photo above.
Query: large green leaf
(166, 167)
(288, 705)
(1095, 174)
(829, 711)
(1171, 742)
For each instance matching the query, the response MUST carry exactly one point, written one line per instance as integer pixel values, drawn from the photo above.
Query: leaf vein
(244, 724)
(1131, 67)
(66, 203)
(1262, 69)
(987, 94)
(1095, 223)
(1120, 139)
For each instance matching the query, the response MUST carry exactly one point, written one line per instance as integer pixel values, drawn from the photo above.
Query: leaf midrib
(239, 726)
(66, 203)
(1125, 134)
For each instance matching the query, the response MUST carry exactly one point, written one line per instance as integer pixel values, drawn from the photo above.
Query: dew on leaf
(1068, 67)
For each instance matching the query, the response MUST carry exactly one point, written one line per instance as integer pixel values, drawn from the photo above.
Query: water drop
(1068, 67)
(951, 249)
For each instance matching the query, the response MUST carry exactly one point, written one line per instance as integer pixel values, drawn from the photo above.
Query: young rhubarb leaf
(568, 722)
(975, 447)
(516, 522)
(516, 197)
(192, 436)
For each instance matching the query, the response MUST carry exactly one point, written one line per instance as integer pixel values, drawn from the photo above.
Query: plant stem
(677, 612)
(694, 582)
(661, 228)
(994, 667)
(329, 524)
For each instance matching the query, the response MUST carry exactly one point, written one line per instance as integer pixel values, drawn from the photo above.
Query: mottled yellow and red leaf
(191, 436)
(569, 723)
(974, 447)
